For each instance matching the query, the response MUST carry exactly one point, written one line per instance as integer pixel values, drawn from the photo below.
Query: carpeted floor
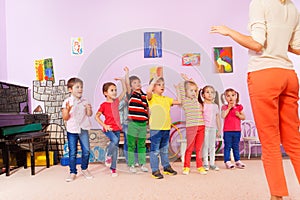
(237, 184)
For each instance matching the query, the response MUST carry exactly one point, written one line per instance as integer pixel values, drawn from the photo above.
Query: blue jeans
(113, 147)
(159, 146)
(232, 141)
(83, 138)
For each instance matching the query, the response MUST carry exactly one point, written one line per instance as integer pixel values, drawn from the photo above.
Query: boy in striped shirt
(137, 124)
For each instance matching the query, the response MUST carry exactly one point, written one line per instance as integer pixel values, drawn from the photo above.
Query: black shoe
(157, 175)
(169, 171)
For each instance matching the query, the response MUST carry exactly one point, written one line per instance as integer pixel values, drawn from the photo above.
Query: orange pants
(274, 99)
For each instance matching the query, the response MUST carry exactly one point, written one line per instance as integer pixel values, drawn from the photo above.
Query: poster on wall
(77, 45)
(191, 59)
(156, 71)
(223, 59)
(44, 70)
(152, 45)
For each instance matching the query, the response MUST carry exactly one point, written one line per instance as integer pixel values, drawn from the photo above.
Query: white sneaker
(87, 174)
(132, 169)
(144, 168)
(206, 167)
(71, 177)
(214, 167)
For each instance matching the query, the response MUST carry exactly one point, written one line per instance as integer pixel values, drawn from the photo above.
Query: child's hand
(88, 107)
(68, 107)
(126, 69)
(118, 79)
(238, 114)
(107, 127)
(218, 134)
(155, 78)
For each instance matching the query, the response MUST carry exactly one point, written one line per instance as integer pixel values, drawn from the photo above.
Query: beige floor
(225, 184)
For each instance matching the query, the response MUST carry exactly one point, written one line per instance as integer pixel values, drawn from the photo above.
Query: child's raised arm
(128, 89)
(120, 97)
(150, 87)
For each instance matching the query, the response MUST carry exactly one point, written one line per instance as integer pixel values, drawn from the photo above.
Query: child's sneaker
(214, 167)
(132, 169)
(144, 168)
(186, 170)
(206, 167)
(71, 177)
(202, 170)
(114, 173)
(136, 164)
(240, 165)
(108, 160)
(157, 175)
(229, 165)
(87, 174)
(168, 170)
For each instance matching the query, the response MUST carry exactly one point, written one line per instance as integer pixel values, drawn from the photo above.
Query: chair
(249, 136)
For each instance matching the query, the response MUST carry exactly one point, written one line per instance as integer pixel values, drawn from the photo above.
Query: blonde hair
(282, 1)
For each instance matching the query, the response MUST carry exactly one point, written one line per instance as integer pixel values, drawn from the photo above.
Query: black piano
(19, 130)
(20, 133)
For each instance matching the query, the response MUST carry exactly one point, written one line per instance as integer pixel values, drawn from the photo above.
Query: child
(212, 122)
(232, 113)
(188, 91)
(123, 110)
(160, 125)
(75, 112)
(111, 125)
(137, 125)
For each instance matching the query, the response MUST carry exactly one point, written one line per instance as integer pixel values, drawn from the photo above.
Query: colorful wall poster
(44, 70)
(223, 59)
(191, 59)
(152, 45)
(77, 46)
(158, 71)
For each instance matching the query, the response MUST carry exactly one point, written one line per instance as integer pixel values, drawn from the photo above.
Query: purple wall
(37, 29)
(3, 68)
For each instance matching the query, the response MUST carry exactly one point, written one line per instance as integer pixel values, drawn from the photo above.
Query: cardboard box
(40, 158)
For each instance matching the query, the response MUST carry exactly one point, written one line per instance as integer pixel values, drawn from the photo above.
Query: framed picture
(77, 46)
(191, 59)
(152, 45)
(44, 70)
(223, 59)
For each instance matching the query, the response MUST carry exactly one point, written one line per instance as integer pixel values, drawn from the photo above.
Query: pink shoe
(114, 173)
(108, 161)
(240, 165)
(229, 165)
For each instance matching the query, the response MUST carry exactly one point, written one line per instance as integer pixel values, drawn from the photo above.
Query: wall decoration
(158, 71)
(44, 70)
(223, 59)
(77, 46)
(152, 45)
(191, 59)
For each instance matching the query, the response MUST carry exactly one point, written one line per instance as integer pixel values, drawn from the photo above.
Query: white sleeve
(257, 25)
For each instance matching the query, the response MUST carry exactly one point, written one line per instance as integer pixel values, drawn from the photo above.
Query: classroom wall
(112, 33)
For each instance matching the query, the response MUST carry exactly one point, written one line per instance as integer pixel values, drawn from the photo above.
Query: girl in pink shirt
(232, 113)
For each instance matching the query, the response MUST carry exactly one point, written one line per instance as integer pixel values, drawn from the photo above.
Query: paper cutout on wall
(44, 70)
(158, 71)
(223, 59)
(152, 45)
(77, 46)
(191, 59)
